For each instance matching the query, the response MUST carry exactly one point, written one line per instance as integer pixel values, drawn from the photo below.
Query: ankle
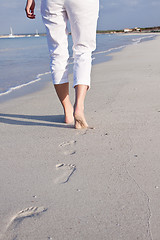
(67, 106)
(68, 113)
(79, 107)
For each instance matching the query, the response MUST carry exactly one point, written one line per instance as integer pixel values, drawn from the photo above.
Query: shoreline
(153, 31)
(41, 81)
(86, 184)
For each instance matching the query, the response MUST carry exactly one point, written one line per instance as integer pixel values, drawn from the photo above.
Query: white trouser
(82, 15)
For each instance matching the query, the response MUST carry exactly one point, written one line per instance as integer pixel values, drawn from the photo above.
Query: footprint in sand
(67, 143)
(65, 171)
(20, 216)
(70, 152)
(28, 212)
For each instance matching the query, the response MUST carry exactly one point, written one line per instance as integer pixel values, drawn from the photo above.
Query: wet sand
(104, 183)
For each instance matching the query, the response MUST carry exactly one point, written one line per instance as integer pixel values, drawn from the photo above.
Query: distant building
(127, 30)
(137, 29)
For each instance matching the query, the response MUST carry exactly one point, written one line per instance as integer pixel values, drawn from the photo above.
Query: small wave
(5, 50)
(109, 50)
(138, 40)
(134, 40)
(37, 79)
(22, 48)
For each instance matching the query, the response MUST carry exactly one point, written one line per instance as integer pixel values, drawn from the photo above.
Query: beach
(103, 183)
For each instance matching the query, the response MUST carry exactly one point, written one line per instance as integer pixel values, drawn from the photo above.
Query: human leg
(80, 94)
(83, 17)
(55, 19)
(62, 91)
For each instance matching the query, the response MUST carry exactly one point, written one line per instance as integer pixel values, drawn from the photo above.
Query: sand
(104, 183)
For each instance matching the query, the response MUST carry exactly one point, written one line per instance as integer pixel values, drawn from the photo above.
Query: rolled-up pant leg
(83, 17)
(55, 19)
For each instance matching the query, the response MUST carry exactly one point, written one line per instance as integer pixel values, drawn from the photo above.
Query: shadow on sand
(47, 121)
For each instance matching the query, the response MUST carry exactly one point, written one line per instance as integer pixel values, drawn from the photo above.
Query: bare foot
(80, 121)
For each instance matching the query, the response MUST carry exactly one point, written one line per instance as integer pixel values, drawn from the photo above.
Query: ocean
(23, 61)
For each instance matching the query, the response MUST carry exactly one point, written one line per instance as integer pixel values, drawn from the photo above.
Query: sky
(114, 14)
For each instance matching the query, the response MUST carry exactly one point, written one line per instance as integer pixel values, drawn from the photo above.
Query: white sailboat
(37, 34)
(11, 33)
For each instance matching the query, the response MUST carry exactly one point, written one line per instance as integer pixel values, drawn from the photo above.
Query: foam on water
(38, 78)
(109, 50)
(143, 39)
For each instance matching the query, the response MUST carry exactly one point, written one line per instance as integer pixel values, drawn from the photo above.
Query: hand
(30, 5)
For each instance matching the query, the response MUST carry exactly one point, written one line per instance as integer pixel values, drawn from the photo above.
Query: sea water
(24, 61)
